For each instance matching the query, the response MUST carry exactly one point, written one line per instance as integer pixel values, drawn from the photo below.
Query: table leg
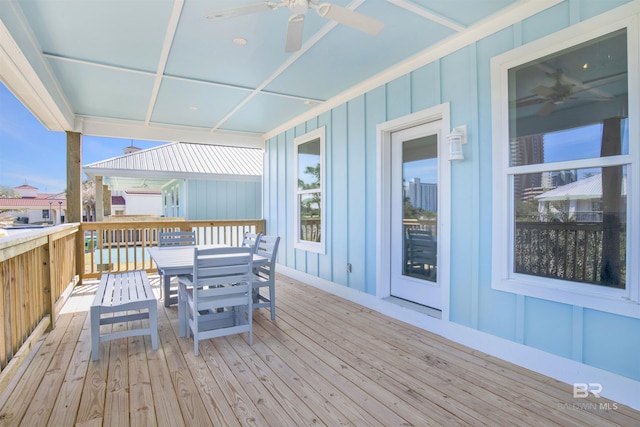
(167, 290)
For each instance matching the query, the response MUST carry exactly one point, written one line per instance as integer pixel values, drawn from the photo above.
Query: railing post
(48, 277)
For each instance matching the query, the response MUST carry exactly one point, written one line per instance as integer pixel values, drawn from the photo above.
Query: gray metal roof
(154, 167)
(588, 188)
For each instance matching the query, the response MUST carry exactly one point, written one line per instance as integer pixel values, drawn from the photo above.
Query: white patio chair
(264, 277)
(251, 240)
(172, 239)
(176, 238)
(216, 300)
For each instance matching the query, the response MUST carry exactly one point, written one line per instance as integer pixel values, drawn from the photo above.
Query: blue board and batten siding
(224, 199)
(461, 78)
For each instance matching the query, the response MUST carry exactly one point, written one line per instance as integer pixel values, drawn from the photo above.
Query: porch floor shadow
(323, 361)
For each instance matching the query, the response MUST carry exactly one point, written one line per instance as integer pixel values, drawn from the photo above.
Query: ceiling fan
(557, 94)
(298, 10)
(143, 185)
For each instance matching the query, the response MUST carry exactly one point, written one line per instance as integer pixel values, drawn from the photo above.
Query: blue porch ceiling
(162, 63)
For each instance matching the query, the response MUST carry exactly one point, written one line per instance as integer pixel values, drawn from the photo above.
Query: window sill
(615, 301)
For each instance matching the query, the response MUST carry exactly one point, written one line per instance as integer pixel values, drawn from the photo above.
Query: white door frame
(383, 204)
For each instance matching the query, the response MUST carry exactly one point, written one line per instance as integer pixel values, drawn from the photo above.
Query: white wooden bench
(120, 293)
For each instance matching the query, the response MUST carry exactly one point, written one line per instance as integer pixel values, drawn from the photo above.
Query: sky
(32, 154)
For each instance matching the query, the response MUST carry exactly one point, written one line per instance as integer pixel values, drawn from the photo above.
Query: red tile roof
(30, 203)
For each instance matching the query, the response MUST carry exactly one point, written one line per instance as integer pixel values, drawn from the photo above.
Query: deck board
(323, 361)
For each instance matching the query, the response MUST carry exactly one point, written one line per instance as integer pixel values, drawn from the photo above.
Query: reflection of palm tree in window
(313, 197)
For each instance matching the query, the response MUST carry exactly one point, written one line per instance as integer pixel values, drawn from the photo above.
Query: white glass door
(415, 175)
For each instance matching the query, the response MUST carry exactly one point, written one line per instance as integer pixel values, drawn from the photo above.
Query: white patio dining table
(176, 260)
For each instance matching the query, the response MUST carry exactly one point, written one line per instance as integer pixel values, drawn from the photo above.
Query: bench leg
(95, 333)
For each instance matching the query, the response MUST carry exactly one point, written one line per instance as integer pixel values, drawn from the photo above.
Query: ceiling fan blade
(546, 109)
(543, 91)
(528, 102)
(294, 33)
(244, 10)
(350, 18)
(592, 98)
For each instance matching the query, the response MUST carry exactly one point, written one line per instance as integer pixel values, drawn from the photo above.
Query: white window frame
(319, 247)
(619, 301)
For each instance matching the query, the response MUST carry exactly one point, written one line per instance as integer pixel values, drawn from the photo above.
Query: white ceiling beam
(172, 77)
(176, 11)
(130, 129)
(22, 80)
(428, 14)
(511, 15)
(292, 59)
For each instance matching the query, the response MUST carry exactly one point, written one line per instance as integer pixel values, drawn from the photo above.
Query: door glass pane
(420, 207)
(572, 225)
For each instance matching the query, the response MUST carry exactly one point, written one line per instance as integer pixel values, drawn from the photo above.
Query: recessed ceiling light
(240, 41)
(193, 108)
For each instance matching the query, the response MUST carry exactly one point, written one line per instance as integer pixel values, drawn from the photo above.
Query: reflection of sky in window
(579, 143)
(304, 161)
(425, 169)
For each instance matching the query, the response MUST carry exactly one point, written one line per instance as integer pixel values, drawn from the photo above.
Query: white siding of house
(143, 204)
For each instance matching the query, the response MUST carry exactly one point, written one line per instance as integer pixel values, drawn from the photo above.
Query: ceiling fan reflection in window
(298, 10)
(561, 92)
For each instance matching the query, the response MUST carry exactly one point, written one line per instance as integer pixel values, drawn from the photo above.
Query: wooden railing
(121, 245)
(37, 273)
(568, 251)
(39, 269)
(421, 224)
(310, 230)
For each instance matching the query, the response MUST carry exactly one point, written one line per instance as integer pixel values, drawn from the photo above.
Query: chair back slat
(220, 266)
(268, 248)
(176, 238)
(251, 240)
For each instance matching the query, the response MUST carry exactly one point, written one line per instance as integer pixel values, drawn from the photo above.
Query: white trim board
(615, 387)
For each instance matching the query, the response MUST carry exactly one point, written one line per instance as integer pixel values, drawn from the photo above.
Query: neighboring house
(194, 181)
(33, 207)
(579, 201)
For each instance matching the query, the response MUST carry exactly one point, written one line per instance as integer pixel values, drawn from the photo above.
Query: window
(562, 168)
(309, 185)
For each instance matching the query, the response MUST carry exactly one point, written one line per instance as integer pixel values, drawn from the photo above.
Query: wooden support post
(107, 200)
(99, 200)
(74, 192)
(48, 278)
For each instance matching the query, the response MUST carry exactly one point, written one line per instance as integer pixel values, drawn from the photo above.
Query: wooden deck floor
(324, 361)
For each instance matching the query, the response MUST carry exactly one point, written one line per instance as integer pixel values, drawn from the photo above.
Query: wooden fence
(37, 273)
